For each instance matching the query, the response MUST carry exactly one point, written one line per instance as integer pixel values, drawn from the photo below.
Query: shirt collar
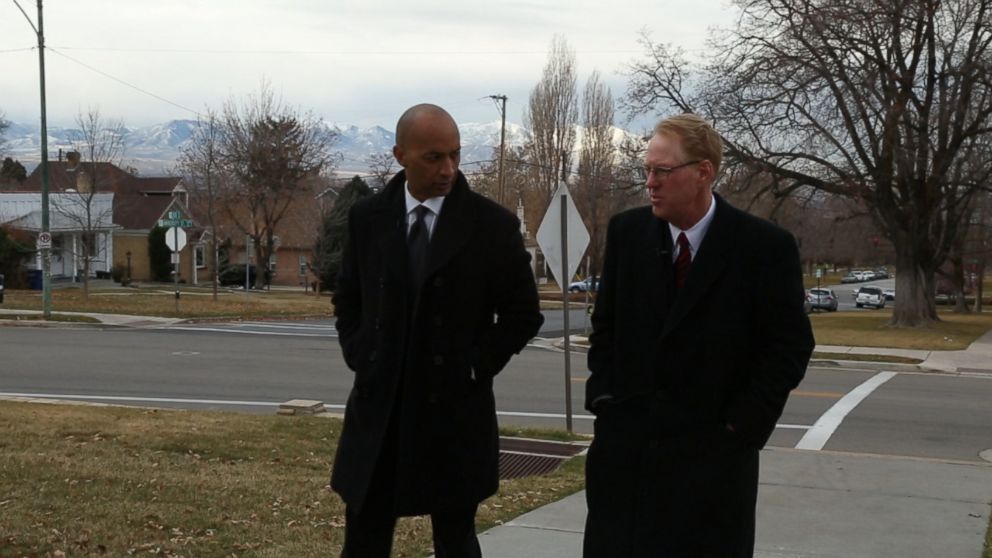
(434, 204)
(696, 234)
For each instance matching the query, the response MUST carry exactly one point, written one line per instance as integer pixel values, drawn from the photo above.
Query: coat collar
(453, 229)
(709, 263)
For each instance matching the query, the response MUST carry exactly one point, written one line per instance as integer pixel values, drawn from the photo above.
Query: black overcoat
(671, 368)
(429, 354)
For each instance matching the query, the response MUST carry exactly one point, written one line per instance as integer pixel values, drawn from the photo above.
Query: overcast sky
(355, 62)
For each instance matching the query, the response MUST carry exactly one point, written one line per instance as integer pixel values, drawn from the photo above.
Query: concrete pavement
(815, 504)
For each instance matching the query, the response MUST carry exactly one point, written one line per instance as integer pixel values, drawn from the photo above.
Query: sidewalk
(826, 504)
(122, 320)
(818, 504)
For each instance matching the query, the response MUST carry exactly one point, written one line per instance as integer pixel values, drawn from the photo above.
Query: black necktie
(683, 261)
(417, 242)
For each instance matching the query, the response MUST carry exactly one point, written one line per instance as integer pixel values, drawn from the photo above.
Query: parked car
(870, 296)
(234, 275)
(881, 273)
(807, 304)
(890, 294)
(849, 277)
(589, 284)
(823, 299)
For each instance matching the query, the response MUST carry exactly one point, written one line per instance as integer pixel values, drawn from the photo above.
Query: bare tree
(876, 101)
(200, 164)
(273, 153)
(381, 168)
(81, 207)
(595, 190)
(551, 116)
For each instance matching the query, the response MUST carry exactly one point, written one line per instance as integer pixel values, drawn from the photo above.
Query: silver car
(823, 299)
(870, 296)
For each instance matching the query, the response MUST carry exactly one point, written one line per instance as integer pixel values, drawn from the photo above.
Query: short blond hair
(699, 139)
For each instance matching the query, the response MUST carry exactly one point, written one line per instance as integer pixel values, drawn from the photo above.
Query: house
(131, 206)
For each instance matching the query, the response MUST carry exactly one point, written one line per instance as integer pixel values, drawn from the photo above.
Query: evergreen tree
(12, 257)
(12, 172)
(158, 255)
(329, 246)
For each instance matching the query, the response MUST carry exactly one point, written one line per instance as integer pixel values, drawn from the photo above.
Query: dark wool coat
(670, 369)
(429, 354)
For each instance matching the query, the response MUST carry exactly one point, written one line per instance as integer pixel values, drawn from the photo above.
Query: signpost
(563, 254)
(175, 239)
(44, 241)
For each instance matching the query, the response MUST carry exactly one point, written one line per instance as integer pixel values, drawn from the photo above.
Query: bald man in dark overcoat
(426, 330)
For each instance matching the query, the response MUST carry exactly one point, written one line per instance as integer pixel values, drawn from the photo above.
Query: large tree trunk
(980, 287)
(915, 305)
(957, 279)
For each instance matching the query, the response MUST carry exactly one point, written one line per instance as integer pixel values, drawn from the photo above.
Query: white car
(870, 296)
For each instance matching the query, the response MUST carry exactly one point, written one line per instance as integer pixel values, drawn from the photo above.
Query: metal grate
(519, 457)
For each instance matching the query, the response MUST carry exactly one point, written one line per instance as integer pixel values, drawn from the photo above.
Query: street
(865, 411)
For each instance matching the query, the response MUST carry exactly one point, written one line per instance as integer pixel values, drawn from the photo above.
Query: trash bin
(35, 279)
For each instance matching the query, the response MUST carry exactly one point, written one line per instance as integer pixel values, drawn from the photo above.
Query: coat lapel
(707, 266)
(453, 229)
(658, 242)
(389, 218)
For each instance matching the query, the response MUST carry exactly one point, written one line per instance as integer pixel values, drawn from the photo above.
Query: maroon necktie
(683, 261)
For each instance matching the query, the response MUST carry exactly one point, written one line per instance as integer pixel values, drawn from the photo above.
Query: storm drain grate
(519, 457)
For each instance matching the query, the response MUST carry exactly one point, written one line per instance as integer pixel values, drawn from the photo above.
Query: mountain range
(153, 150)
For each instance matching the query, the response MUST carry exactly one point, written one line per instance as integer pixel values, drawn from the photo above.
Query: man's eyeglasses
(663, 172)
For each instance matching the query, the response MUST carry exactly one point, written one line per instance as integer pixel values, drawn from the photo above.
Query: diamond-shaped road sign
(549, 235)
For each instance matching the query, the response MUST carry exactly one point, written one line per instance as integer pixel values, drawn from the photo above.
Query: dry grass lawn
(870, 329)
(193, 303)
(111, 481)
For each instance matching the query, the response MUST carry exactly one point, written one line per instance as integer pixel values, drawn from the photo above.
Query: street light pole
(46, 252)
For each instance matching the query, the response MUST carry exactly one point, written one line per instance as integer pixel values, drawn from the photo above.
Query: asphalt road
(912, 414)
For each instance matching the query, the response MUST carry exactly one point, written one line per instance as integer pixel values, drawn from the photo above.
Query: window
(303, 266)
(199, 255)
(272, 265)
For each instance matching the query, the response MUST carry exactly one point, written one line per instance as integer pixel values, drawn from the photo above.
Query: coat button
(372, 356)
(438, 360)
(432, 398)
(438, 282)
(438, 320)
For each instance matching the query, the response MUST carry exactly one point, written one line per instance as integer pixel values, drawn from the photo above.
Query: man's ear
(398, 154)
(706, 171)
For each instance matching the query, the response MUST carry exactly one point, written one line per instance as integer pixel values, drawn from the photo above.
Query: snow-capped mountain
(153, 150)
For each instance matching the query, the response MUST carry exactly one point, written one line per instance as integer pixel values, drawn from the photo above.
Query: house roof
(139, 201)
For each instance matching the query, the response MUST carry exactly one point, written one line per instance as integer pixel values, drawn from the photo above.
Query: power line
(332, 52)
(4, 51)
(122, 82)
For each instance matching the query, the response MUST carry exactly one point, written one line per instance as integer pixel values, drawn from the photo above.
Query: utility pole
(502, 143)
(46, 257)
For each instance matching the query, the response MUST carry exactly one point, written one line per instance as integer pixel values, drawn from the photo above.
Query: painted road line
(118, 398)
(237, 403)
(817, 436)
(280, 325)
(243, 331)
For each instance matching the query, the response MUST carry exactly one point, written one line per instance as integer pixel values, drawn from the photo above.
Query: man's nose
(449, 166)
